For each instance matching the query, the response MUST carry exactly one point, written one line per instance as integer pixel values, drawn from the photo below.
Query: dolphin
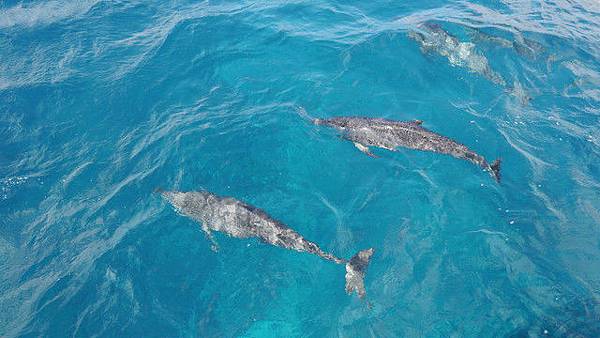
(432, 37)
(389, 134)
(238, 219)
(522, 45)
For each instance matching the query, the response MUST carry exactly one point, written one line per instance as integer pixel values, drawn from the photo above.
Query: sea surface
(103, 102)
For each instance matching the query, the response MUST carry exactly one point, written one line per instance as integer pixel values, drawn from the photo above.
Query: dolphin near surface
(522, 45)
(389, 134)
(432, 37)
(238, 219)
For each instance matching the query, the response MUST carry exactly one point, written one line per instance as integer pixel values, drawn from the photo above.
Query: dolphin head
(340, 122)
(417, 36)
(336, 122)
(194, 203)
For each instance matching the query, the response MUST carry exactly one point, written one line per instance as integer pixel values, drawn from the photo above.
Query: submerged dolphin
(389, 134)
(522, 45)
(432, 37)
(238, 219)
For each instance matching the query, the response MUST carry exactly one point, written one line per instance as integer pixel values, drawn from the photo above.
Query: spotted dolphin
(238, 219)
(389, 134)
(432, 37)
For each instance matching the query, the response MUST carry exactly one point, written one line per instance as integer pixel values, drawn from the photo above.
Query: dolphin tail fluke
(495, 170)
(356, 268)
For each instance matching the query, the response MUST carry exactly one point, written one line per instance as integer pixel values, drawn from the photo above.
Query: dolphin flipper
(364, 149)
(214, 246)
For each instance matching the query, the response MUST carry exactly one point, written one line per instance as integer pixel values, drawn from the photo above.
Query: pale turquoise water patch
(102, 102)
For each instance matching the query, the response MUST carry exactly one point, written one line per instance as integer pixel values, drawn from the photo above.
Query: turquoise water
(101, 102)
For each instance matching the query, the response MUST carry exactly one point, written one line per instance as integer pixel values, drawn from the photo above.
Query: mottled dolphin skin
(432, 37)
(389, 134)
(238, 219)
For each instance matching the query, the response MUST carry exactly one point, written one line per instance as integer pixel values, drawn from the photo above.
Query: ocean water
(102, 102)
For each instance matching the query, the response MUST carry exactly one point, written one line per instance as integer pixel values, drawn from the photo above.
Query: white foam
(43, 13)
